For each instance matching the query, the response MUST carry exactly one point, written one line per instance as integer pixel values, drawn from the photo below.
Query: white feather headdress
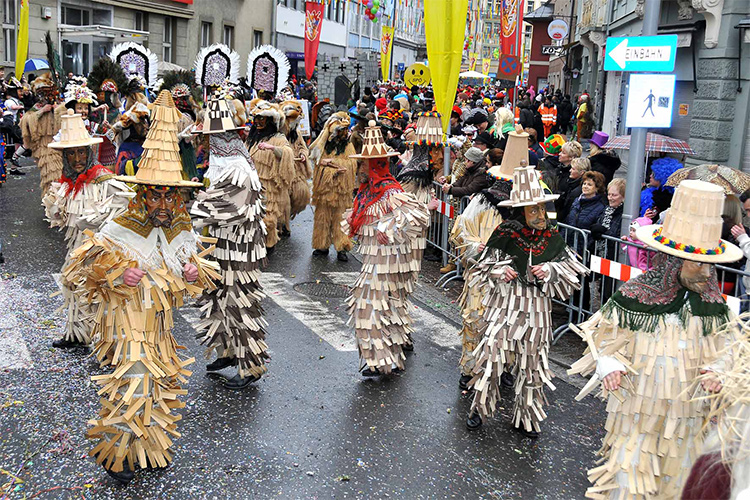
(267, 69)
(217, 64)
(135, 59)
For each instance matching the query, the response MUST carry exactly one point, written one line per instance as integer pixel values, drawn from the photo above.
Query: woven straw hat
(429, 129)
(516, 155)
(160, 162)
(219, 117)
(692, 226)
(527, 190)
(73, 133)
(373, 144)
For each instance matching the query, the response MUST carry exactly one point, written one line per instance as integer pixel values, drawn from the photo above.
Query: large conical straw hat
(160, 162)
(429, 129)
(692, 226)
(373, 145)
(219, 116)
(516, 155)
(527, 190)
(73, 133)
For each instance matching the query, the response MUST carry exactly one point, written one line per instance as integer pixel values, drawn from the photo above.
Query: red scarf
(84, 178)
(367, 206)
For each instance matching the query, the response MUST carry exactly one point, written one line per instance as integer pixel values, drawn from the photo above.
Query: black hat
(476, 117)
(486, 138)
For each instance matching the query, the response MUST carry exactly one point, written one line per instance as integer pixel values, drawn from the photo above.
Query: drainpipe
(274, 34)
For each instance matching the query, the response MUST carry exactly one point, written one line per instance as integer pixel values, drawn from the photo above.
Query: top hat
(692, 226)
(429, 129)
(219, 117)
(516, 155)
(599, 138)
(373, 145)
(73, 133)
(527, 190)
(160, 162)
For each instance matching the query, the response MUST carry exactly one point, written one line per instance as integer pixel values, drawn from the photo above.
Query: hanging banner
(445, 26)
(486, 66)
(22, 41)
(313, 25)
(386, 44)
(511, 22)
(473, 56)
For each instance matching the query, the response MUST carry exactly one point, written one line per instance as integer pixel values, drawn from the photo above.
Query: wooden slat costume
(332, 188)
(659, 331)
(379, 306)
(275, 166)
(137, 421)
(81, 200)
(232, 210)
(39, 129)
(517, 321)
(299, 191)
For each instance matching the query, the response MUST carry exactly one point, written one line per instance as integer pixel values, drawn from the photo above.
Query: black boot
(285, 233)
(342, 256)
(318, 252)
(474, 421)
(220, 364)
(124, 476)
(269, 250)
(507, 379)
(463, 382)
(529, 434)
(369, 372)
(408, 347)
(236, 383)
(63, 343)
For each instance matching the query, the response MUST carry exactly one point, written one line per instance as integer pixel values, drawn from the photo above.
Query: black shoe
(408, 347)
(463, 382)
(342, 256)
(526, 433)
(220, 364)
(285, 233)
(318, 252)
(2, 259)
(507, 380)
(236, 383)
(124, 476)
(269, 250)
(15, 171)
(67, 344)
(474, 421)
(369, 372)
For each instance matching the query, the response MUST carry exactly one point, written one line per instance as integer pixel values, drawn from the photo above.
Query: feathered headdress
(135, 59)
(267, 69)
(181, 83)
(78, 91)
(107, 76)
(216, 64)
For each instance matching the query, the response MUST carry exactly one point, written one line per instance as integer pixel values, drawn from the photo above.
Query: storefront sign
(557, 29)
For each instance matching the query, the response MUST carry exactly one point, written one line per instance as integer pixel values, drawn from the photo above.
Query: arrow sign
(643, 53)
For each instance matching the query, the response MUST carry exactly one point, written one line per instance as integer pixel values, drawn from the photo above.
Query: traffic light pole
(637, 153)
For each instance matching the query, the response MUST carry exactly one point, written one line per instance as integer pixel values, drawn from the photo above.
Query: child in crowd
(638, 257)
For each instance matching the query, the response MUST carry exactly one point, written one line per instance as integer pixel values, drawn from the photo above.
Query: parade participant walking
(649, 343)
(274, 160)
(137, 271)
(525, 265)
(333, 185)
(232, 210)
(86, 197)
(549, 115)
(106, 79)
(387, 221)
(299, 191)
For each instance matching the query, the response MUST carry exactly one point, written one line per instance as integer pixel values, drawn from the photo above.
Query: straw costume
(333, 184)
(299, 192)
(136, 271)
(525, 265)
(86, 197)
(232, 210)
(654, 336)
(417, 175)
(274, 160)
(39, 127)
(379, 306)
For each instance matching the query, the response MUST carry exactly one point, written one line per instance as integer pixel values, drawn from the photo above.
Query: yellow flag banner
(473, 56)
(22, 42)
(386, 44)
(444, 26)
(486, 66)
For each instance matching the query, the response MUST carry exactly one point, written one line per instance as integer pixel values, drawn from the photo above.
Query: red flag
(511, 27)
(313, 24)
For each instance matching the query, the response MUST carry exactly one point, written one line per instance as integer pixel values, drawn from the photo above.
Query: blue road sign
(641, 53)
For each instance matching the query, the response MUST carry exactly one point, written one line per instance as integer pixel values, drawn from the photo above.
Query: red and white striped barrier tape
(621, 272)
(446, 209)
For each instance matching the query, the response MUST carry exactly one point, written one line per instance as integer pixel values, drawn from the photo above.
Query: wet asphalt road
(312, 428)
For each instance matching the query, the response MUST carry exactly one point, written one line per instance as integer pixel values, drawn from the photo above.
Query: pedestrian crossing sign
(650, 101)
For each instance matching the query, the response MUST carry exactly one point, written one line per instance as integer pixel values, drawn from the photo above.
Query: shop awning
(115, 34)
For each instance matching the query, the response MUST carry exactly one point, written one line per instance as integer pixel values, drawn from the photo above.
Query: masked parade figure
(232, 210)
(136, 272)
(648, 345)
(105, 80)
(387, 222)
(299, 191)
(86, 197)
(333, 185)
(524, 266)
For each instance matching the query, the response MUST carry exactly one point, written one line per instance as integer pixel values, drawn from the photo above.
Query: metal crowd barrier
(455, 254)
(578, 241)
